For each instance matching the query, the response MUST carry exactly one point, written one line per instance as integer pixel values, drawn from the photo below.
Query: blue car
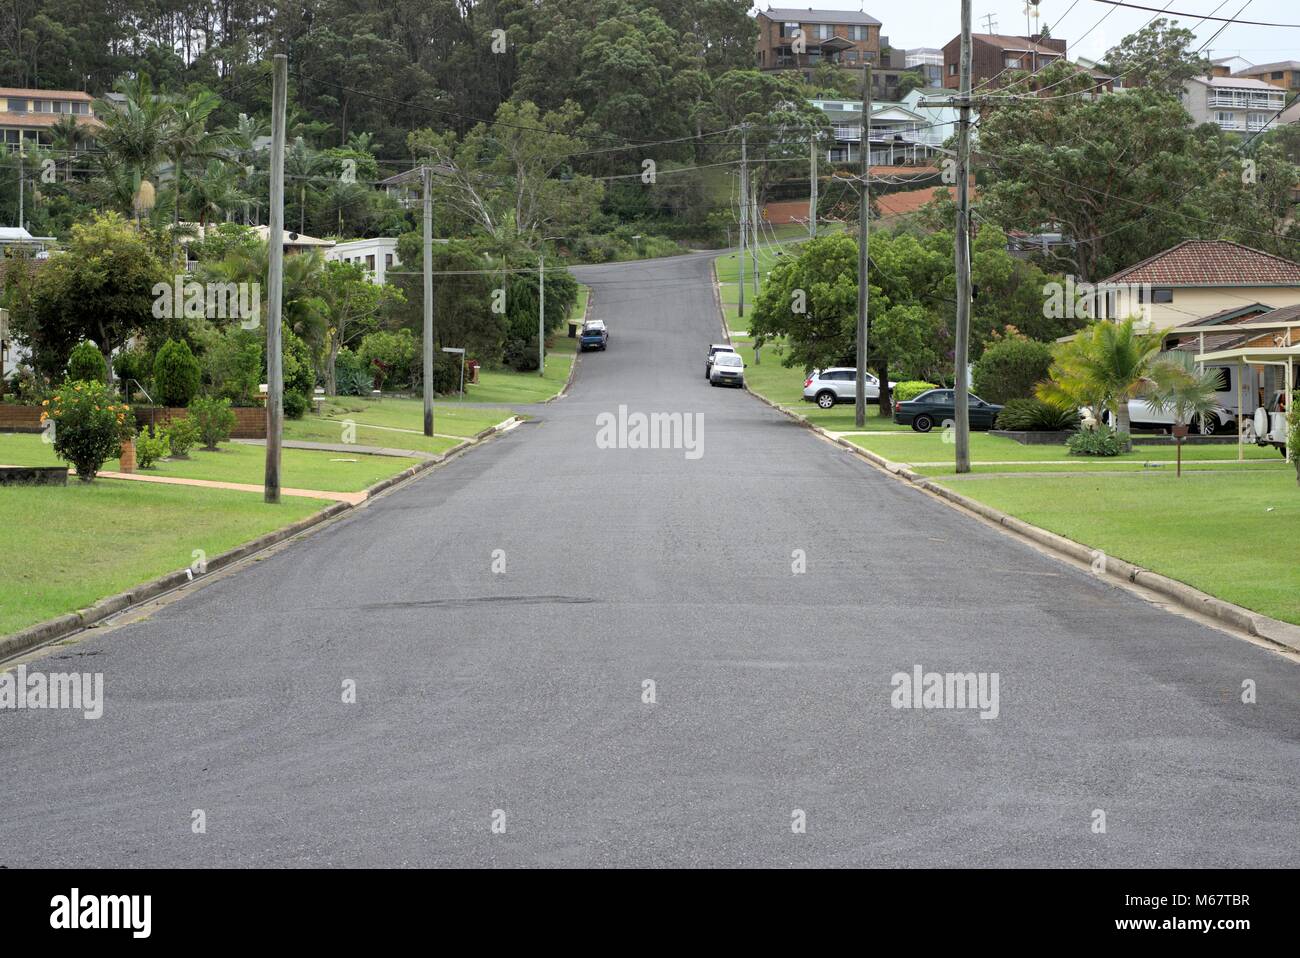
(593, 337)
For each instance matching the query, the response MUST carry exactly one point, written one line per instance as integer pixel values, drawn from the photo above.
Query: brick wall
(14, 418)
(250, 421)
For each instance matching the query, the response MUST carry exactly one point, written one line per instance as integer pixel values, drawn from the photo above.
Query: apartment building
(27, 114)
(793, 39)
(1284, 75)
(1235, 104)
(995, 55)
(927, 61)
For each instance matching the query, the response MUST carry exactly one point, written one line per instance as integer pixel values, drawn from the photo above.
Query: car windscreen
(728, 359)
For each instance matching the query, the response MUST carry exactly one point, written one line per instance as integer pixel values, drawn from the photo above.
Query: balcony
(1247, 101)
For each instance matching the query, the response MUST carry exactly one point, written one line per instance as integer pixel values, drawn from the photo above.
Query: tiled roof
(1269, 68)
(909, 201)
(33, 121)
(809, 15)
(29, 94)
(1211, 263)
(1007, 42)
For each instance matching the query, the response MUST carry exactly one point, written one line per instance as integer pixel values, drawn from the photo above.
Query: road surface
(516, 697)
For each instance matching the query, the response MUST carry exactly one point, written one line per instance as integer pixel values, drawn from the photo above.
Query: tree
(1011, 366)
(352, 306)
(101, 289)
(1178, 388)
(187, 137)
(1103, 367)
(134, 137)
(175, 373)
(1160, 56)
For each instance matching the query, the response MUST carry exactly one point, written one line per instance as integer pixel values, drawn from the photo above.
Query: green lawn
(998, 454)
(1214, 531)
(62, 548)
(312, 429)
(449, 417)
(511, 388)
(233, 462)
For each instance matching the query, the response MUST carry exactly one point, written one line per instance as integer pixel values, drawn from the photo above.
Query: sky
(932, 23)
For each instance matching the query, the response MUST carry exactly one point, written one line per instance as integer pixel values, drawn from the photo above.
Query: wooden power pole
(864, 217)
(275, 282)
(961, 356)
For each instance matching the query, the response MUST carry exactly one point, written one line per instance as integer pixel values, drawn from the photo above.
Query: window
(790, 30)
(1162, 295)
(17, 106)
(1011, 62)
(1278, 75)
(825, 31)
(388, 260)
(857, 32)
(370, 262)
(952, 69)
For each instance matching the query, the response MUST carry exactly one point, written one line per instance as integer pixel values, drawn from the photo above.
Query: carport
(1285, 356)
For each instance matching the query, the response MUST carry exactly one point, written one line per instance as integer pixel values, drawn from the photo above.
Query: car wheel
(1208, 424)
(923, 423)
(826, 399)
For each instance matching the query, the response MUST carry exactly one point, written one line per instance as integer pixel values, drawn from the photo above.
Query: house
(940, 117)
(27, 114)
(294, 242)
(994, 55)
(1227, 66)
(1199, 278)
(1284, 75)
(1235, 104)
(17, 237)
(927, 61)
(376, 255)
(899, 135)
(406, 188)
(793, 39)
(1291, 114)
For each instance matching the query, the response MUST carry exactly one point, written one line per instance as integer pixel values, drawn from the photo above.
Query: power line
(1245, 23)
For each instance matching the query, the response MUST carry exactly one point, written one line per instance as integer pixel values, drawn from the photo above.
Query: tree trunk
(331, 374)
(1122, 424)
(886, 400)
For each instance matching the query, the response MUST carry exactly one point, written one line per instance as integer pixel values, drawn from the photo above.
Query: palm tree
(215, 193)
(1104, 366)
(1176, 387)
(187, 136)
(301, 286)
(302, 164)
(65, 136)
(134, 136)
(245, 151)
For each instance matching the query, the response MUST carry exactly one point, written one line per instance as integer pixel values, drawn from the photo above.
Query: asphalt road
(521, 691)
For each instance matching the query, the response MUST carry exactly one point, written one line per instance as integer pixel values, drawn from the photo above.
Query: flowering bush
(89, 426)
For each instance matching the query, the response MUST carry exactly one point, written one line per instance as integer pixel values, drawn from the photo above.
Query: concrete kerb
(573, 366)
(51, 630)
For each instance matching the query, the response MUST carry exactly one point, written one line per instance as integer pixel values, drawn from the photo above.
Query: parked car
(826, 387)
(938, 406)
(1269, 427)
(728, 369)
(593, 336)
(713, 351)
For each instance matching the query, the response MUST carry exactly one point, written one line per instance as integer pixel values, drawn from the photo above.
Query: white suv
(826, 387)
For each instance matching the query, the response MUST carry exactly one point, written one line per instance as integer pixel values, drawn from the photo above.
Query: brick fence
(250, 421)
(14, 418)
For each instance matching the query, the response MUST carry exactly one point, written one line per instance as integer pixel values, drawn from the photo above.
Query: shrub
(89, 425)
(181, 435)
(396, 353)
(295, 404)
(176, 374)
(133, 364)
(149, 449)
(910, 389)
(1097, 442)
(519, 354)
(213, 419)
(352, 375)
(1293, 433)
(86, 363)
(232, 366)
(1011, 367)
(1034, 415)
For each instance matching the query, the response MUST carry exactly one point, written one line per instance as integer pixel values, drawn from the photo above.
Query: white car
(826, 387)
(1269, 427)
(714, 350)
(728, 369)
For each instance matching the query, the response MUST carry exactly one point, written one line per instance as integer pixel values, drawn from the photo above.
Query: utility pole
(275, 282)
(864, 217)
(753, 226)
(812, 186)
(962, 353)
(541, 315)
(426, 178)
(22, 186)
(744, 208)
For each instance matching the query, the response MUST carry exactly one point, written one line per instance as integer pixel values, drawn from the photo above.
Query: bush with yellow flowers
(89, 425)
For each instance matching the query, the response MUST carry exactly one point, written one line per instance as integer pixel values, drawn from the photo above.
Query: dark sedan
(938, 407)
